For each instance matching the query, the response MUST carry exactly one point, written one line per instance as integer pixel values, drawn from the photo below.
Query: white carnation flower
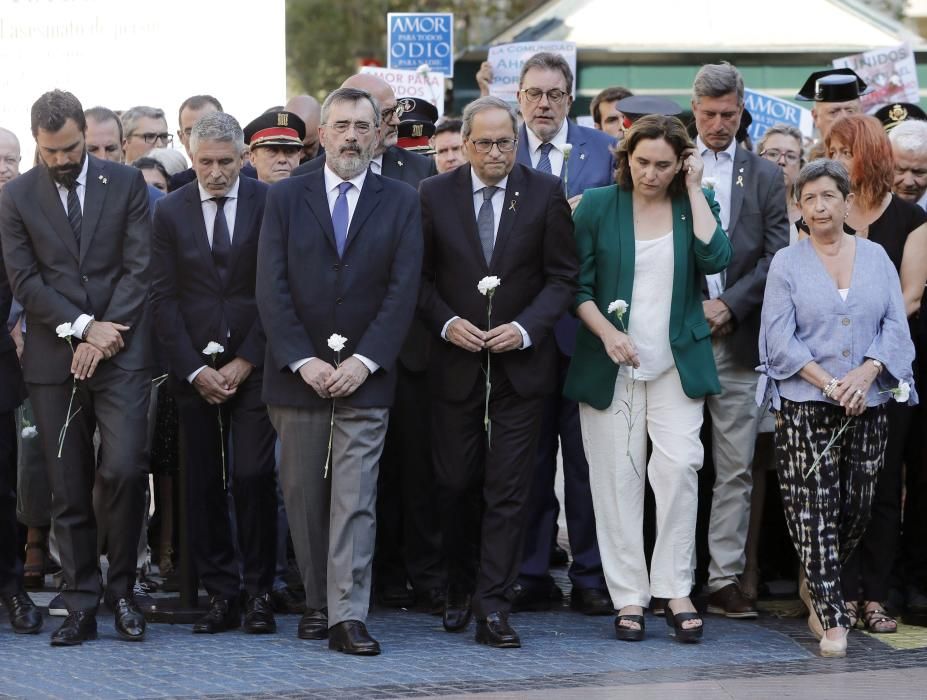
(336, 342)
(488, 284)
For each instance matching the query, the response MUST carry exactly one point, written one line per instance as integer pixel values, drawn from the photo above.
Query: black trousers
(115, 401)
(408, 535)
(483, 488)
(249, 438)
(11, 568)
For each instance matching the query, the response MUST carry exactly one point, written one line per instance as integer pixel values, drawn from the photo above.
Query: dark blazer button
(336, 268)
(85, 278)
(338, 300)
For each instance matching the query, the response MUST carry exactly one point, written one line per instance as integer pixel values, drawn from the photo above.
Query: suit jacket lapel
(513, 194)
(573, 168)
(94, 196)
(392, 165)
(682, 234)
(50, 204)
(523, 155)
(626, 250)
(366, 203)
(200, 239)
(244, 212)
(464, 201)
(318, 204)
(739, 173)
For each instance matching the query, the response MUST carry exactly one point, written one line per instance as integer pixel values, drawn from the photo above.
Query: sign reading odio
(417, 38)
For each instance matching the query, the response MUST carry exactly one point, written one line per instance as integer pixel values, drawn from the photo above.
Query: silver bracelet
(831, 385)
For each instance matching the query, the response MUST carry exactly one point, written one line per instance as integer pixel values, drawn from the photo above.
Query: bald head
(309, 110)
(9, 156)
(386, 98)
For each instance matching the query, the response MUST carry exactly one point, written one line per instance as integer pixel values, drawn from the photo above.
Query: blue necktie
(544, 162)
(340, 217)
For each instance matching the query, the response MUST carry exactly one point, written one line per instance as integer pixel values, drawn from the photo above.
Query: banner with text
(767, 110)
(422, 85)
(421, 38)
(507, 59)
(889, 71)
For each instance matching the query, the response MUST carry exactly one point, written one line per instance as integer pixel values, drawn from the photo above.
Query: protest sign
(416, 38)
(767, 110)
(506, 61)
(889, 71)
(422, 85)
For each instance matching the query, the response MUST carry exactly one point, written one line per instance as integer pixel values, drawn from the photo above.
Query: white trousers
(617, 469)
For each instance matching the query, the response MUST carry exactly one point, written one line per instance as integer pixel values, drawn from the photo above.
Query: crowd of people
(363, 339)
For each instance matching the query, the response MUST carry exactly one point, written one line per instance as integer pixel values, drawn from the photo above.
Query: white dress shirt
(556, 153)
(498, 201)
(719, 166)
(922, 202)
(78, 326)
(332, 182)
(376, 165)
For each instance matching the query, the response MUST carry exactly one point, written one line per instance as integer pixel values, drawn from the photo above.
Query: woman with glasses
(644, 369)
(860, 143)
(781, 144)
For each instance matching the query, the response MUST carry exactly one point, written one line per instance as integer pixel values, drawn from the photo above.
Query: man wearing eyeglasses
(493, 217)
(339, 253)
(144, 128)
(545, 97)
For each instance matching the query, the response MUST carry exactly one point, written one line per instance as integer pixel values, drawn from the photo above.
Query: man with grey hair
(498, 218)
(143, 128)
(204, 257)
(10, 156)
(751, 194)
(338, 260)
(909, 146)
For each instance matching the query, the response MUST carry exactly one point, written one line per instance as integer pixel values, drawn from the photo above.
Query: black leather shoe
(457, 611)
(558, 556)
(313, 624)
(351, 637)
(223, 615)
(396, 595)
(129, 620)
(24, 616)
(285, 602)
(495, 631)
(259, 615)
(431, 601)
(78, 627)
(591, 601)
(534, 598)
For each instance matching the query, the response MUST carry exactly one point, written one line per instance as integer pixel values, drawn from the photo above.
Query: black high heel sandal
(675, 620)
(629, 634)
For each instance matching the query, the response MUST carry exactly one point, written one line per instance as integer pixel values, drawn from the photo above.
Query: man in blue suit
(582, 158)
(340, 253)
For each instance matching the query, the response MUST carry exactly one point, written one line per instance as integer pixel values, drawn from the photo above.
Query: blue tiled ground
(419, 658)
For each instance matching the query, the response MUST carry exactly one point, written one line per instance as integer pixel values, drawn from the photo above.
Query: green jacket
(604, 223)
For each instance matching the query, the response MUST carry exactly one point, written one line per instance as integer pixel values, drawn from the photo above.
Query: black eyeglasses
(388, 113)
(485, 145)
(151, 138)
(534, 95)
(342, 127)
(775, 154)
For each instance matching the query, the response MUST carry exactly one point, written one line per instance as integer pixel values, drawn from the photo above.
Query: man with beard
(349, 268)
(76, 234)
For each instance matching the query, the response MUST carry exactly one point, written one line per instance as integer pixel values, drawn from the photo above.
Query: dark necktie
(75, 218)
(544, 162)
(340, 217)
(221, 240)
(485, 222)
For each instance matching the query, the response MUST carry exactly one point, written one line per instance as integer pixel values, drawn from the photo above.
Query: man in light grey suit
(751, 193)
(340, 252)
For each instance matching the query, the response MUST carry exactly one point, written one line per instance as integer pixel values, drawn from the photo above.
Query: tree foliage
(326, 39)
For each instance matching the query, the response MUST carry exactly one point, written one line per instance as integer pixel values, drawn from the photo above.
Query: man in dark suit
(24, 616)
(499, 218)
(545, 97)
(339, 254)
(76, 236)
(204, 258)
(751, 194)
(408, 546)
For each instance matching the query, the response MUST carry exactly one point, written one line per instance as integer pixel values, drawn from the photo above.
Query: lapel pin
(740, 181)
(102, 179)
(683, 216)
(512, 205)
(582, 156)
(399, 162)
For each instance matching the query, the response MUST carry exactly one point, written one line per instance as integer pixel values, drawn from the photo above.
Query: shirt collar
(332, 179)
(81, 178)
(379, 161)
(705, 150)
(558, 141)
(479, 184)
(231, 194)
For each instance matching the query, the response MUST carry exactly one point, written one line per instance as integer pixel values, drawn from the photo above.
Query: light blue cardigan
(804, 319)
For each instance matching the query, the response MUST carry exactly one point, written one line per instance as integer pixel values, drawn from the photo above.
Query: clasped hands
(334, 382)
(851, 391)
(103, 341)
(502, 338)
(219, 385)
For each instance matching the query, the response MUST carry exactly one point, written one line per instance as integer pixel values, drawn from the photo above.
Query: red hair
(873, 162)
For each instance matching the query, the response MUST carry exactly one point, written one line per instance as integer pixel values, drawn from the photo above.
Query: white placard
(890, 72)
(410, 83)
(507, 59)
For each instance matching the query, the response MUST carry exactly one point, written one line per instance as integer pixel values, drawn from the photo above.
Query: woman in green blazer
(643, 363)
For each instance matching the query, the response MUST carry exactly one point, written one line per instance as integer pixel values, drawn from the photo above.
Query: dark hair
(817, 169)
(452, 126)
(652, 126)
(548, 61)
(873, 166)
(607, 95)
(198, 102)
(53, 109)
(102, 115)
(146, 163)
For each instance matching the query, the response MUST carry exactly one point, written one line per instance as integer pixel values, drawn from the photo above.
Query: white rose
(336, 342)
(65, 330)
(567, 150)
(488, 284)
(213, 348)
(619, 306)
(903, 392)
(29, 432)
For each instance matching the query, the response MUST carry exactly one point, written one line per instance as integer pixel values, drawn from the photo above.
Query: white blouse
(650, 306)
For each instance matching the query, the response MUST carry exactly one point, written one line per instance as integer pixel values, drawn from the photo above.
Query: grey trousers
(333, 519)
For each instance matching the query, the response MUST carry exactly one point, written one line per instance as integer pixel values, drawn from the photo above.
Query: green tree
(325, 39)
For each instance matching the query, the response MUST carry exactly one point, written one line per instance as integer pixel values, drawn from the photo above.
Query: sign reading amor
(890, 72)
(767, 110)
(507, 59)
(412, 83)
(417, 38)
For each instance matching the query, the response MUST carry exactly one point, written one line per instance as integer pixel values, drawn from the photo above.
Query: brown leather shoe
(731, 602)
